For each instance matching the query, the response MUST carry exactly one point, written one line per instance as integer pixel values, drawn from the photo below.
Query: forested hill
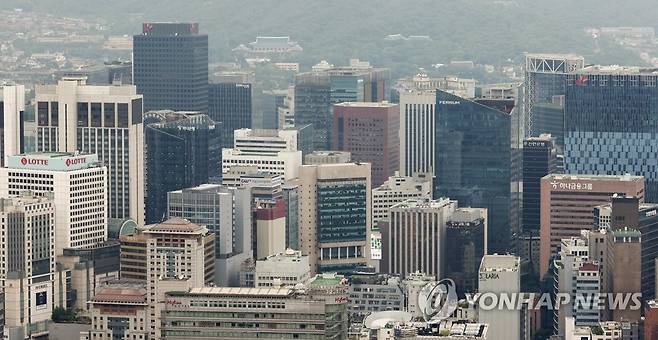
(486, 31)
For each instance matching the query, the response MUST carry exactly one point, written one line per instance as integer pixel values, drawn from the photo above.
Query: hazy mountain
(481, 30)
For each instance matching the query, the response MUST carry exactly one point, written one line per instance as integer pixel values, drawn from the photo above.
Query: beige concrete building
(176, 250)
(335, 215)
(415, 239)
(27, 264)
(119, 311)
(567, 203)
(104, 120)
(79, 185)
(398, 189)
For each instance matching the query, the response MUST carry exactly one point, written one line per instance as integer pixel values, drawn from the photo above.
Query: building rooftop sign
(58, 161)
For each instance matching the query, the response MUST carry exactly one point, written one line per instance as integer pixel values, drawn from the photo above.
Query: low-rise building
(285, 269)
(119, 310)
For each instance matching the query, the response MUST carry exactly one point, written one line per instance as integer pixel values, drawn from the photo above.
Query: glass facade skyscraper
(229, 104)
(611, 124)
(473, 160)
(170, 66)
(183, 150)
(545, 80)
(539, 160)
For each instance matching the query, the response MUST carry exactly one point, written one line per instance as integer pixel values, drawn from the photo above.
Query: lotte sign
(34, 161)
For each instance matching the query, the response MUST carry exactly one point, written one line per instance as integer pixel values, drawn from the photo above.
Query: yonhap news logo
(438, 300)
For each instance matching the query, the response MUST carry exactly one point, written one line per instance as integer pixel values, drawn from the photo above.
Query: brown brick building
(370, 132)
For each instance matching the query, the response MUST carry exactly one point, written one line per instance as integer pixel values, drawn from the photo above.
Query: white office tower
(79, 185)
(578, 275)
(12, 106)
(500, 275)
(179, 252)
(226, 212)
(414, 240)
(417, 132)
(398, 189)
(104, 120)
(273, 151)
(265, 141)
(27, 261)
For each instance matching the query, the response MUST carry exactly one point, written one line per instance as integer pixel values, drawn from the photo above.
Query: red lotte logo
(33, 161)
(73, 161)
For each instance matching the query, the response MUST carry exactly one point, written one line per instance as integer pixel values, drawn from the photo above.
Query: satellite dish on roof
(379, 320)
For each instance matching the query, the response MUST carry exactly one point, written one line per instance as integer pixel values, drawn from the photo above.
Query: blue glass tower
(183, 151)
(611, 123)
(473, 159)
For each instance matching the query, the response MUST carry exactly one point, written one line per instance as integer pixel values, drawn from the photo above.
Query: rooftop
(620, 178)
(566, 56)
(424, 203)
(121, 295)
(237, 291)
(366, 104)
(617, 70)
(176, 225)
(494, 263)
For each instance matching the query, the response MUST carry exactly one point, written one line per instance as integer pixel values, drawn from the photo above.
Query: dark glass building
(473, 160)
(539, 160)
(611, 123)
(316, 92)
(182, 150)
(545, 80)
(465, 247)
(230, 105)
(313, 106)
(170, 66)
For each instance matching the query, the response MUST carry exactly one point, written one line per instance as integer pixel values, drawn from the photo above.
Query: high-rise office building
(465, 245)
(500, 274)
(462, 87)
(628, 212)
(417, 132)
(183, 150)
(27, 263)
(567, 203)
(545, 87)
(625, 270)
(317, 91)
(103, 120)
(313, 106)
(327, 157)
(170, 66)
(270, 227)
(291, 199)
(611, 128)
(209, 205)
(334, 216)
(473, 159)
(414, 240)
(369, 131)
(398, 189)
(265, 141)
(539, 160)
(579, 276)
(263, 185)
(176, 249)
(273, 151)
(229, 104)
(79, 185)
(12, 107)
